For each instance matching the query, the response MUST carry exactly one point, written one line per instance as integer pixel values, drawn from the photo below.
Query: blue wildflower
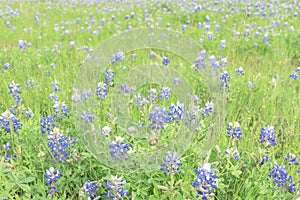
(52, 177)
(206, 181)
(176, 112)
(157, 118)
(115, 188)
(223, 44)
(7, 119)
(292, 159)
(89, 189)
(281, 179)
(294, 76)
(268, 135)
(47, 124)
(119, 149)
(207, 109)
(234, 131)
(87, 117)
(225, 78)
(109, 78)
(101, 90)
(171, 163)
(165, 93)
(59, 145)
(166, 61)
(240, 71)
(264, 160)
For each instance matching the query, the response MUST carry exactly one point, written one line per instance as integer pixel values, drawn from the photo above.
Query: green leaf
(236, 173)
(27, 180)
(24, 187)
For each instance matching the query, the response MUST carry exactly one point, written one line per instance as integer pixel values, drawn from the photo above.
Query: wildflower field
(158, 99)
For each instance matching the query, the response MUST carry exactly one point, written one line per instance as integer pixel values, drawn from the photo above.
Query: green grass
(271, 101)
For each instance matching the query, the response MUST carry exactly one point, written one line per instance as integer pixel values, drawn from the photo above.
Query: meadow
(150, 99)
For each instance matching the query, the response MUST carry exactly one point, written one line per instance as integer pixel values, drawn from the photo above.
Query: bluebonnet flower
(292, 159)
(29, 84)
(234, 131)
(52, 177)
(115, 188)
(55, 86)
(218, 28)
(8, 156)
(151, 54)
(298, 70)
(89, 189)
(206, 182)
(171, 163)
(165, 93)
(72, 45)
(268, 135)
(264, 160)
(139, 100)
(294, 76)
(109, 77)
(176, 112)
(207, 19)
(101, 90)
(15, 91)
(209, 36)
(232, 153)
(223, 44)
(23, 44)
(87, 117)
(29, 113)
(119, 149)
(223, 62)
(47, 124)
(7, 119)
(60, 109)
(281, 179)
(225, 78)
(247, 33)
(6, 66)
(59, 145)
(152, 95)
(207, 109)
(166, 61)
(176, 81)
(53, 97)
(106, 131)
(157, 118)
(125, 89)
(240, 71)
(116, 58)
(266, 38)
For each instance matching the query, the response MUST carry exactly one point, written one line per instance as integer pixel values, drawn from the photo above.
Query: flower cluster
(101, 90)
(85, 94)
(55, 86)
(166, 61)
(268, 135)
(60, 109)
(234, 130)
(206, 181)
(106, 131)
(281, 179)
(264, 160)
(165, 93)
(233, 153)
(119, 149)
(14, 91)
(8, 155)
(118, 57)
(225, 78)
(292, 159)
(8, 120)
(109, 77)
(176, 112)
(52, 177)
(89, 189)
(47, 124)
(208, 109)
(115, 188)
(59, 145)
(157, 118)
(240, 71)
(171, 163)
(87, 117)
